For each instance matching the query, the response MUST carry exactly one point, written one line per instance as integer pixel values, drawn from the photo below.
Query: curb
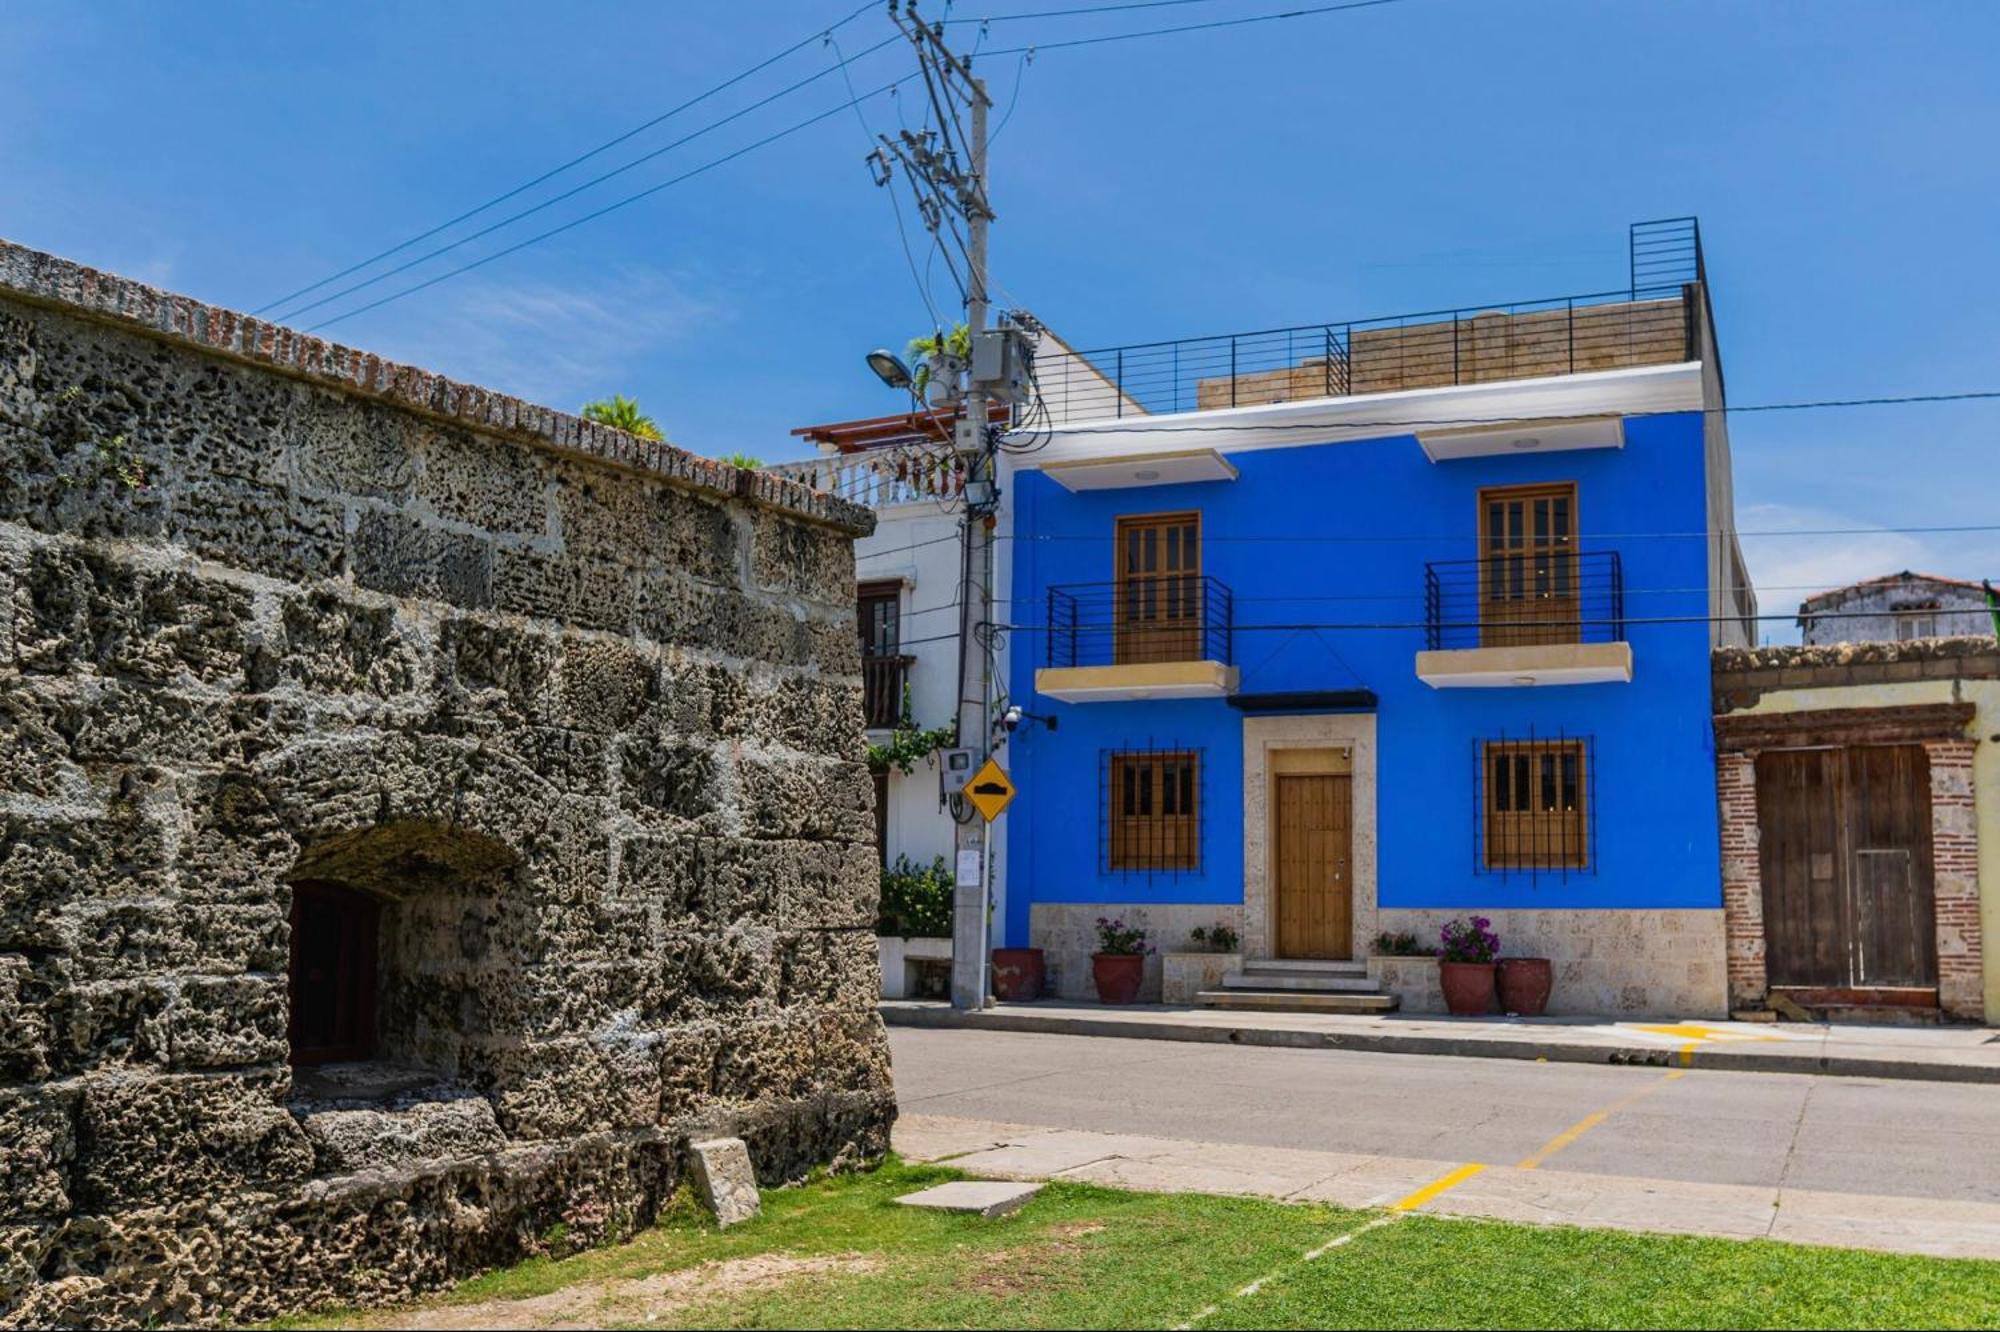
(1464, 1047)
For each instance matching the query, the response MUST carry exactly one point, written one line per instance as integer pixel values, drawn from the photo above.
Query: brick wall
(1955, 873)
(1744, 678)
(1742, 888)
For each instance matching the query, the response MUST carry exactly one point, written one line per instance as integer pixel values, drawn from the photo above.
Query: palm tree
(622, 413)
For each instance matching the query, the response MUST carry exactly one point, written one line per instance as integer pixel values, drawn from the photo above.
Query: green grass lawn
(839, 1253)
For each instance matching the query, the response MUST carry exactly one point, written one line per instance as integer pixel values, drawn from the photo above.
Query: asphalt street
(1909, 1139)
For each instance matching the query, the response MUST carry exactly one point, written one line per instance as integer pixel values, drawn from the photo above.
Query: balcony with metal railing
(1144, 636)
(882, 680)
(1554, 615)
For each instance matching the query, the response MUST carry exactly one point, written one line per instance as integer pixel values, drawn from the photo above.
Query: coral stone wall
(580, 716)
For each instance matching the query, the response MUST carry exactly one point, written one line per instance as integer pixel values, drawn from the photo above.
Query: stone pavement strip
(979, 1197)
(1938, 1054)
(1940, 1228)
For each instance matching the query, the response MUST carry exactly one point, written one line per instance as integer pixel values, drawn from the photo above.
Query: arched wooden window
(335, 937)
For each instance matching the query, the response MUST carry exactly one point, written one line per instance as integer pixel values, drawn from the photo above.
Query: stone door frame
(1351, 731)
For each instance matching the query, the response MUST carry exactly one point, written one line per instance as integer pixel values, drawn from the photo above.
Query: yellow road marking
(1701, 1031)
(1687, 1054)
(1591, 1121)
(1438, 1186)
(1563, 1139)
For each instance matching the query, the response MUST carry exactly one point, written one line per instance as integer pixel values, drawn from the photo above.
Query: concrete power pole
(973, 907)
(947, 169)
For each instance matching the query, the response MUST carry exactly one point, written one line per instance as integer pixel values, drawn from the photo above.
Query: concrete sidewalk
(1935, 1054)
(1941, 1228)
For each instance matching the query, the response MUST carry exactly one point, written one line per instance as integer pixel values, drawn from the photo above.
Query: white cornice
(1643, 389)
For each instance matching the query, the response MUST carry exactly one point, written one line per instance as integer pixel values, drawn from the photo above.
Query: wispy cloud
(550, 342)
(1788, 569)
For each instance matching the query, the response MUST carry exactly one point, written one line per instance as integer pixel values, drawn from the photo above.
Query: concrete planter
(1184, 975)
(1413, 980)
(1018, 974)
(900, 959)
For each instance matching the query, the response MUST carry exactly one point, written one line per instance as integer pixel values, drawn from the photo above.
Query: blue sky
(1425, 153)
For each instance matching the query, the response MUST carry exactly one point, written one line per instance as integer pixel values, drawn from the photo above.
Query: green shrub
(916, 900)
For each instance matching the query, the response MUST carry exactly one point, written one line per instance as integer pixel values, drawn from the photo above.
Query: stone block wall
(1663, 963)
(581, 714)
(1067, 933)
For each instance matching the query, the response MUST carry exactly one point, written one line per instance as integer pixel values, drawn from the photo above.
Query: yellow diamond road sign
(990, 790)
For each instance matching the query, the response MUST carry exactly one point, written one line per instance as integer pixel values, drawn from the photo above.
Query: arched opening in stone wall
(336, 941)
(395, 955)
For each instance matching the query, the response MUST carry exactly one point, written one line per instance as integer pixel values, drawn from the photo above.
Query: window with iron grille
(1535, 811)
(1152, 811)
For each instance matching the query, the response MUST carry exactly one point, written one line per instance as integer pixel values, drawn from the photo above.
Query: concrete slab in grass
(975, 1197)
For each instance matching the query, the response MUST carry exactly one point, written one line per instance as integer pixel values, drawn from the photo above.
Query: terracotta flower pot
(1468, 987)
(1118, 976)
(1017, 974)
(1525, 984)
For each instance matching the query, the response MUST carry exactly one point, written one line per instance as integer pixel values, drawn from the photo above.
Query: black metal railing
(1149, 618)
(1525, 599)
(882, 678)
(1651, 325)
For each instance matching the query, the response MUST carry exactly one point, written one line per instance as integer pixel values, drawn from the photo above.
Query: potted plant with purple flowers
(1119, 964)
(1466, 949)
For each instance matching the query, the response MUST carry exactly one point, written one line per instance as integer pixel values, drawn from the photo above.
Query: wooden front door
(1844, 844)
(1159, 588)
(1528, 566)
(1312, 853)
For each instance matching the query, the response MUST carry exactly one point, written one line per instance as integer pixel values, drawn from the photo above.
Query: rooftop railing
(1525, 340)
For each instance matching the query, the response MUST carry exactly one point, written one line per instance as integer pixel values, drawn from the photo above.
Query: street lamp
(889, 368)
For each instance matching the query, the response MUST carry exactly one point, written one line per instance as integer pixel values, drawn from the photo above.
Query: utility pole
(946, 168)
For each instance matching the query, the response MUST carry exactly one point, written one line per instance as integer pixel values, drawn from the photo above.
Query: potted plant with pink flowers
(1119, 964)
(1466, 949)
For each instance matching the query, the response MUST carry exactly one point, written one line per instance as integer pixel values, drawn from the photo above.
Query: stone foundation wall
(1413, 980)
(580, 714)
(1067, 933)
(1185, 975)
(1650, 963)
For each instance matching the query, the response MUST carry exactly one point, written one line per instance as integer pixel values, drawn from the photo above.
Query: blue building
(1351, 629)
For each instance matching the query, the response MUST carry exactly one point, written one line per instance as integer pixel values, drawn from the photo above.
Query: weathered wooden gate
(1844, 838)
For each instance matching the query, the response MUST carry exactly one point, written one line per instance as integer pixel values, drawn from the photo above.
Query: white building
(907, 574)
(1896, 608)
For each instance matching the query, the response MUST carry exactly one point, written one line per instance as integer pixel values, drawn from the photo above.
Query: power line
(1419, 626)
(1080, 11)
(574, 161)
(895, 204)
(608, 208)
(575, 190)
(1237, 598)
(1386, 538)
(1196, 27)
(465, 268)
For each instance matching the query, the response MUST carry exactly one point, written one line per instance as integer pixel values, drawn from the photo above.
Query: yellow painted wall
(1983, 695)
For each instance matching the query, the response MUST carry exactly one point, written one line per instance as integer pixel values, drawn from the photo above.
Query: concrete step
(1247, 979)
(1296, 1001)
(1306, 966)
